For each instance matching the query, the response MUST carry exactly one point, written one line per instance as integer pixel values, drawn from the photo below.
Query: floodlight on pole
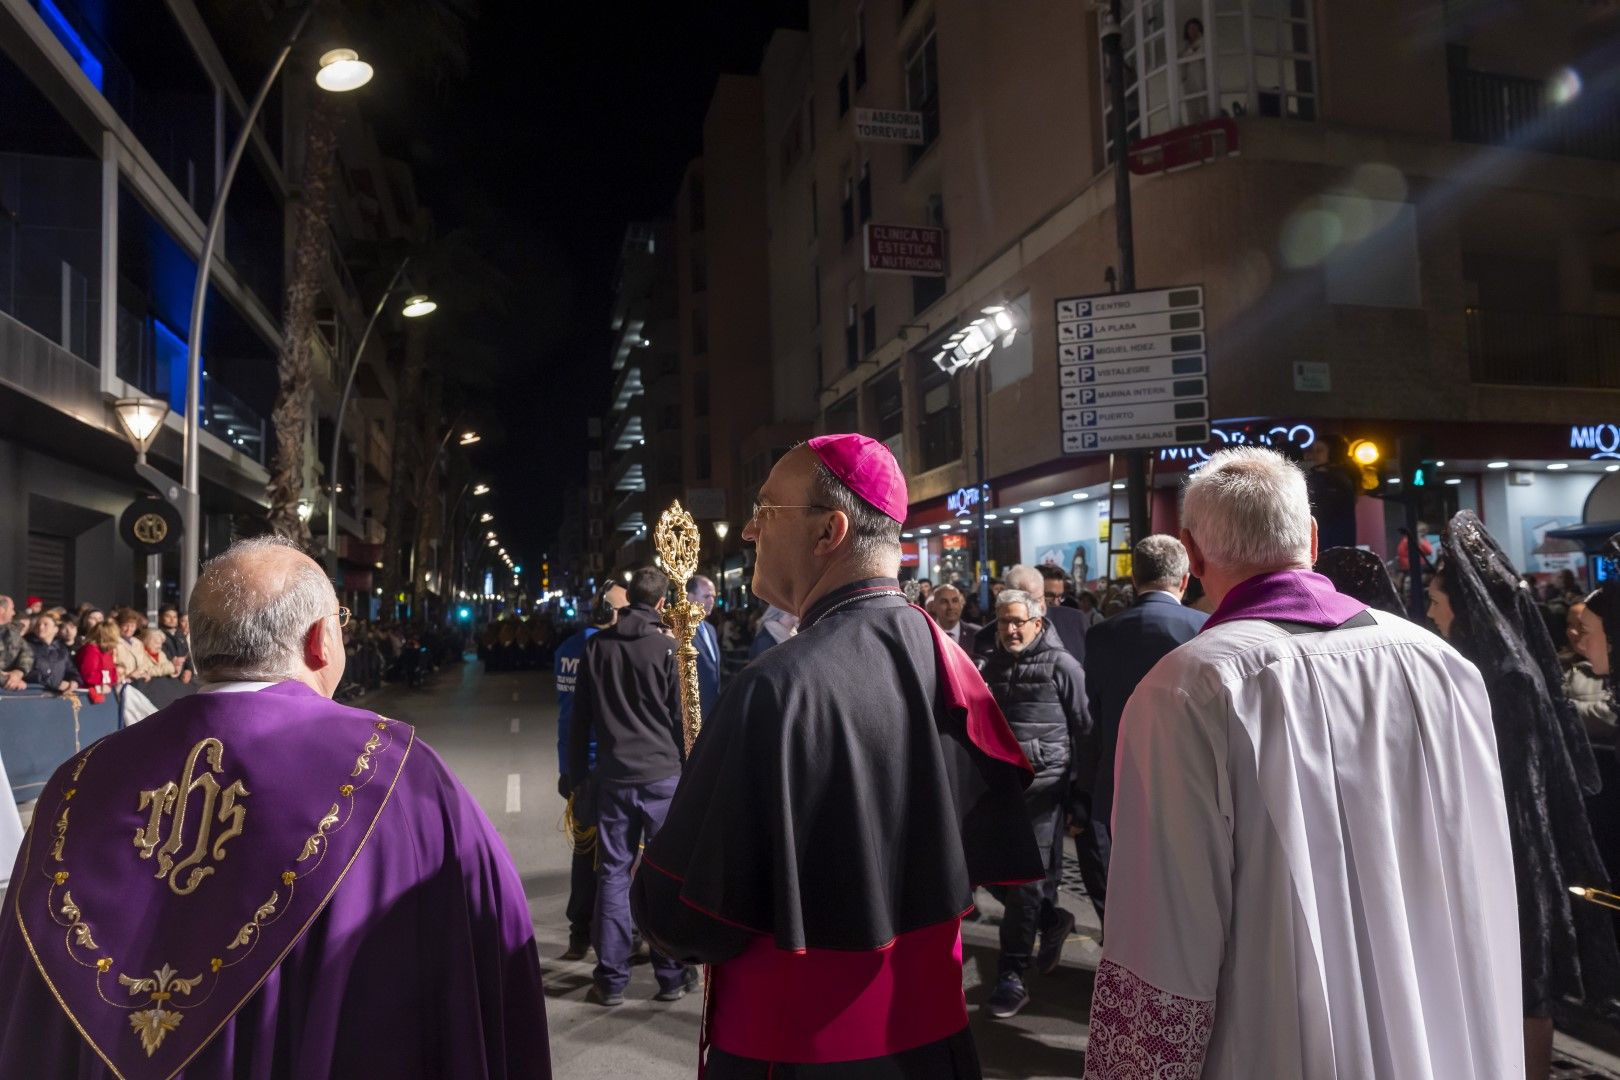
(341, 69)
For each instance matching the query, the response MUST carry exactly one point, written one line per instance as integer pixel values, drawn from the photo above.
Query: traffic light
(1417, 462)
(1365, 455)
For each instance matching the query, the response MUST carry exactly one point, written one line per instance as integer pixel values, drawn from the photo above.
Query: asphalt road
(499, 733)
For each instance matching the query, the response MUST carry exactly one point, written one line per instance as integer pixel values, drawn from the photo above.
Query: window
(846, 207)
(700, 332)
(1188, 60)
(864, 192)
(925, 291)
(702, 468)
(844, 414)
(815, 213)
(700, 394)
(869, 330)
(815, 294)
(922, 89)
(1017, 361)
(843, 94)
(940, 409)
(669, 418)
(887, 404)
(852, 336)
(700, 271)
(860, 49)
(697, 210)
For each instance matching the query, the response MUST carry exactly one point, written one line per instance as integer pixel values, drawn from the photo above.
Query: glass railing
(228, 417)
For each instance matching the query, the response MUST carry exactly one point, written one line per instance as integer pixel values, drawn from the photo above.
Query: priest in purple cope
(257, 882)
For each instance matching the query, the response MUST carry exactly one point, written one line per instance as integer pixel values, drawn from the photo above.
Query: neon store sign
(1599, 440)
(1294, 437)
(963, 501)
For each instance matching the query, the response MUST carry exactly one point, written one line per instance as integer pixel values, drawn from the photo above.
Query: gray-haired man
(301, 871)
(16, 656)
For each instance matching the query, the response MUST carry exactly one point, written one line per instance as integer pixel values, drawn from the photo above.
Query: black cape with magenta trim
(837, 796)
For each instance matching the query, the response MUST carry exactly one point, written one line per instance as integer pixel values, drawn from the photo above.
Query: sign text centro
(889, 125)
(905, 249)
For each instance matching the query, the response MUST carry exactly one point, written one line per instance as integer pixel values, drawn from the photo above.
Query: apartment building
(1405, 221)
(116, 124)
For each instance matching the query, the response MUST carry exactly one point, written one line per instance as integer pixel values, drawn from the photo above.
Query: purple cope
(266, 884)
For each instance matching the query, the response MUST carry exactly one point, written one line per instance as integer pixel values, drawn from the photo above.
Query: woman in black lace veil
(1567, 948)
(1361, 574)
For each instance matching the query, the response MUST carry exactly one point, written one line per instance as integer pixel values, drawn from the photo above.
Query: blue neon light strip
(70, 39)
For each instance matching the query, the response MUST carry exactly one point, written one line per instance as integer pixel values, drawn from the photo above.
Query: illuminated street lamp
(418, 305)
(721, 528)
(481, 489)
(486, 518)
(141, 419)
(470, 437)
(340, 70)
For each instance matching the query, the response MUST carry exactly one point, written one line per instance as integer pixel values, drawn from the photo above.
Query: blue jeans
(627, 816)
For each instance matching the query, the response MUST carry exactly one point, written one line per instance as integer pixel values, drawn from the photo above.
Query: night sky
(566, 128)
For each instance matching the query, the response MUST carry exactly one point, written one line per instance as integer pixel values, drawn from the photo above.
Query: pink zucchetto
(867, 468)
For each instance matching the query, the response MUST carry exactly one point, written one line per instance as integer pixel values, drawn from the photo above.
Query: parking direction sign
(1114, 416)
(1076, 352)
(1085, 397)
(1133, 370)
(1110, 305)
(1108, 440)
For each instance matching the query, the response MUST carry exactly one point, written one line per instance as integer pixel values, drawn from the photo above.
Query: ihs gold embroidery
(172, 800)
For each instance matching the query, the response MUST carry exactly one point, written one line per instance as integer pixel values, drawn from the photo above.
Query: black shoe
(598, 996)
(576, 948)
(1051, 953)
(689, 982)
(1009, 997)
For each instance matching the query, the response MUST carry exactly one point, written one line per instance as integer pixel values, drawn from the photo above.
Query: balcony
(629, 514)
(379, 457)
(1532, 348)
(628, 473)
(228, 417)
(1499, 110)
(628, 433)
(627, 387)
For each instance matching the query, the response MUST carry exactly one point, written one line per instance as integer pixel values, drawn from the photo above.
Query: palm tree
(412, 37)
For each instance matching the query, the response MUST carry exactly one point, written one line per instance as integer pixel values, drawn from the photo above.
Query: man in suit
(946, 608)
(700, 590)
(1120, 651)
(1069, 624)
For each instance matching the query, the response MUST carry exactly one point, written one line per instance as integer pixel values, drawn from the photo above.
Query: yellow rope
(582, 838)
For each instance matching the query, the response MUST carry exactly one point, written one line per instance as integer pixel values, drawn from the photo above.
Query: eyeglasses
(763, 511)
(1015, 624)
(342, 614)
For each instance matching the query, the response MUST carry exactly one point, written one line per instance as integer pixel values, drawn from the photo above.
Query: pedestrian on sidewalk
(310, 892)
(853, 784)
(582, 874)
(1042, 691)
(1310, 869)
(628, 699)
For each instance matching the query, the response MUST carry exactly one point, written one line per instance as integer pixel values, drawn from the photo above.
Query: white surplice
(1311, 873)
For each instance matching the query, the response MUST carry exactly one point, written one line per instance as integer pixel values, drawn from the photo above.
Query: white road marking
(514, 793)
(514, 725)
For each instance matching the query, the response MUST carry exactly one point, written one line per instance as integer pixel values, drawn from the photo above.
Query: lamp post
(970, 346)
(721, 528)
(142, 419)
(415, 307)
(341, 70)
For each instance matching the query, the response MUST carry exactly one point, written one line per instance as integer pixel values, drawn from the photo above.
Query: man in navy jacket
(1120, 651)
(700, 590)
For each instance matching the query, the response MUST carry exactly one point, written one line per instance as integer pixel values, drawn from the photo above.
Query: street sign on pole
(1133, 370)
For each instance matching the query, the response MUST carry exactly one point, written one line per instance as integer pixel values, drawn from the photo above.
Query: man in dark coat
(851, 787)
(700, 591)
(945, 605)
(628, 697)
(1120, 651)
(1042, 691)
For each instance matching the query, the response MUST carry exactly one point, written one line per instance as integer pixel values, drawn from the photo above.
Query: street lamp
(343, 408)
(470, 437)
(341, 70)
(417, 306)
(142, 419)
(997, 326)
(481, 489)
(721, 528)
(485, 518)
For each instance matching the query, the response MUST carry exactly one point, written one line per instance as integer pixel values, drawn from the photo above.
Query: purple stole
(172, 865)
(1300, 596)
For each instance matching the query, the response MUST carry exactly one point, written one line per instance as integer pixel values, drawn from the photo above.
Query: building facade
(1402, 228)
(113, 136)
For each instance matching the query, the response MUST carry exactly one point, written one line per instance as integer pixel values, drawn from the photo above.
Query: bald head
(1026, 579)
(262, 612)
